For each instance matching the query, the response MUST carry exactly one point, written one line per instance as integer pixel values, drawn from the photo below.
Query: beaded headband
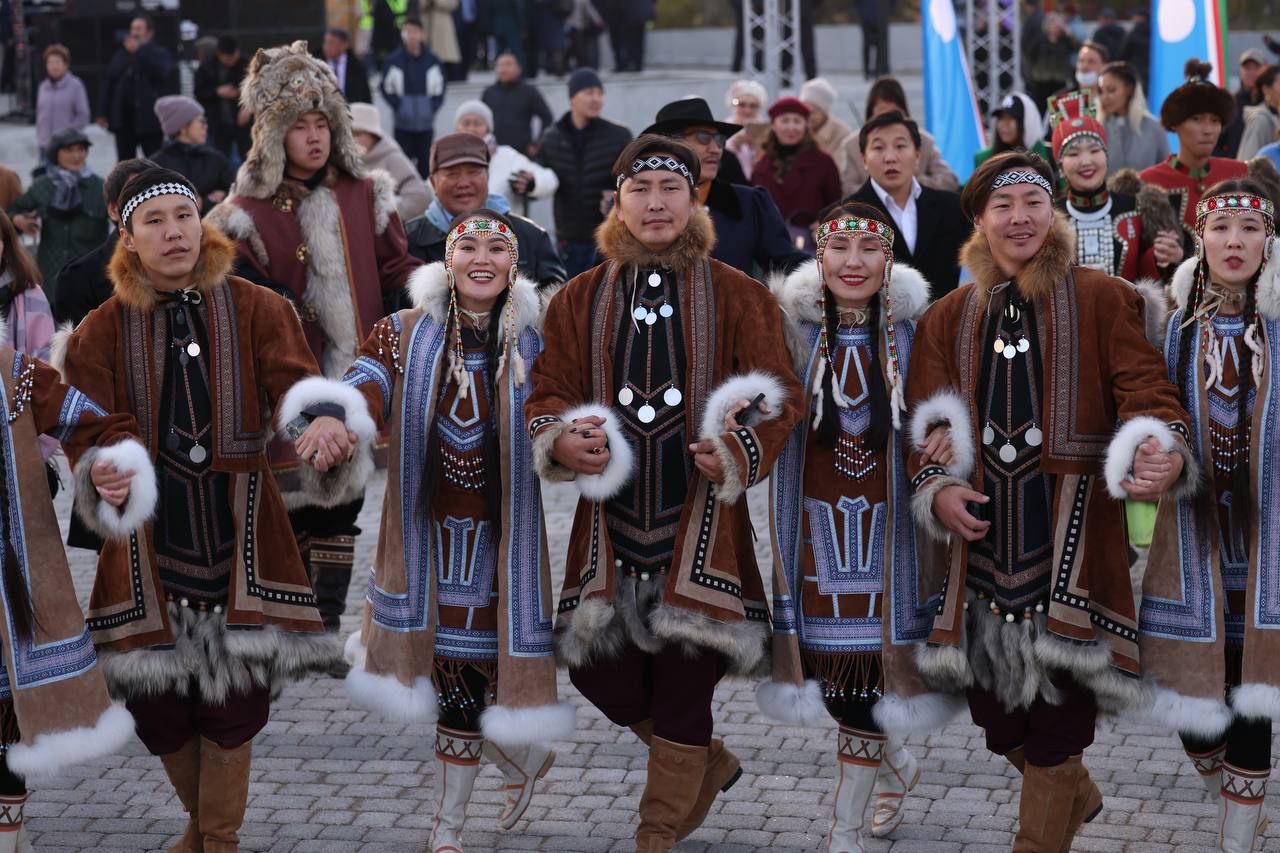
(1075, 136)
(655, 163)
(1234, 204)
(482, 226)
(854, 227)
(155, 192)
(1021, 176)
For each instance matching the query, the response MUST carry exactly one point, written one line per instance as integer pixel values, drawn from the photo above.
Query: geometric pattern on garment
(856, 747)
(11, 809)
(1247, 787)
(1095, 241)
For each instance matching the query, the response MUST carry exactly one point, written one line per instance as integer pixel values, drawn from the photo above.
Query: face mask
(1087, 78)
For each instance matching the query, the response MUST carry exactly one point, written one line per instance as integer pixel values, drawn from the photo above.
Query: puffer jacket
(583, 179)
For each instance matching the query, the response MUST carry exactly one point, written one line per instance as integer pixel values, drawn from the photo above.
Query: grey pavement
(330, 777)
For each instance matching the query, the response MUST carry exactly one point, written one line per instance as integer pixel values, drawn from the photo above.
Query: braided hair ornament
(482, 227)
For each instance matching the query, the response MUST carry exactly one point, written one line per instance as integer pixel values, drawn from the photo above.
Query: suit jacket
(940, 234)
(355, 88)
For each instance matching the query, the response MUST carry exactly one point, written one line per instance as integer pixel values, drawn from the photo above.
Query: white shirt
(907, 219)
(339, 67)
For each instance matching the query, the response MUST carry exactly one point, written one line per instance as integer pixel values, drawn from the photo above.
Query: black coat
(583, 178)
(83, 284)
(750, 232)
(134, 81)
(222, 112)
(514, 109)
(203, 166)
(356, 85)
(941, 230)
(538, 257)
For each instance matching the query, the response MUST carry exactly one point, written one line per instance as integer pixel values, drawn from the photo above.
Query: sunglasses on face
(706, 137)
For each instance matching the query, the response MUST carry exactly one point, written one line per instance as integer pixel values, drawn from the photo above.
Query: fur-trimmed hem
(525, 726)
(922, 505)
(1090, 665)
(731, 487)
(1123, 447)
(102, 518)
(588, 632)
(792, 704)
(605, 485)
(50, 752)
(899, 716)
(1256, 701)
(946, 407)
(742, 642)
(1191, 715)
(945, 668)
(386, 695)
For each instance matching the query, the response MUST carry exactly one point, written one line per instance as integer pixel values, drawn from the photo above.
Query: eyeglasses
(706, 137)
(748, 105)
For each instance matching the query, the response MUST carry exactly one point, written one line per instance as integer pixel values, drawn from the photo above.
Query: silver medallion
(1008, 453)
(672, 397)
(1023, 344)
(640, 313)
(988, 436)
(646, 414)
(1034, 437)
(625, 396)
(654, 279)
(999, 346)
(198, 454)
(666, 310)
(193, 349)
(651, 318)
(1010, 351)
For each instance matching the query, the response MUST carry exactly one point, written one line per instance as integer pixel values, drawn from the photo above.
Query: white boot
(898, 774)
(12, 837)
(858, 756)
(521, 766)
(1208, 767)
(1243, 795)
(457, 766)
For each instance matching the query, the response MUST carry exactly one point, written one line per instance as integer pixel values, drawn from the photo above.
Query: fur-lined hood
(797, 293)
(283, 83)
(428, 290)
(1268, 283)
(217, 257)
(1048, 266)
(694, 245)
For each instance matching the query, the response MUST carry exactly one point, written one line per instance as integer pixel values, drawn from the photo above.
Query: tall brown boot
(183, 770)
(1086, 806)
(224, 793)
(723, 772)
(1044, 810)
(1017, 759)
(675, 777)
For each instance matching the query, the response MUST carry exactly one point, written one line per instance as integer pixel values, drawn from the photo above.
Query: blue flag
(950, 108)
(1182, 30)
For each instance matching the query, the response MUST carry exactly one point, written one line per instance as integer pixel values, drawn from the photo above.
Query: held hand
(582, 448)
(26, 223)
(112, 485)
(706, 460)
(731, 416)
(520, 182)
(325, 444)
(1167, 248)
(949, 505)
(1154, 471)
(937, 446)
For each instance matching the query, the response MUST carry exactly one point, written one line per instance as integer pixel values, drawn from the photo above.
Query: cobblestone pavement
(329, 777)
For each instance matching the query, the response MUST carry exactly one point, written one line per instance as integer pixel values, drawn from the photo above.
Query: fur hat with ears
(283, 84)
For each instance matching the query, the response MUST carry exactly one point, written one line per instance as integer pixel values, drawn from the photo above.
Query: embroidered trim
(655, 163)
(1013, 177)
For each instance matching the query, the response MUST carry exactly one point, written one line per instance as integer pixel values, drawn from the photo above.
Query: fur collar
(1048, 266)
(1268, 283)
(429, 291)
(217, 257)
(797, 293)
(616, 243)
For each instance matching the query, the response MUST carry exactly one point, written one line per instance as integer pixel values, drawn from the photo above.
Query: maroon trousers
(1049, 734)
(165, 722)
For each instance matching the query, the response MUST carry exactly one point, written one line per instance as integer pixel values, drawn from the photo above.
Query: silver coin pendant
(1034, 437)
(988, 436)
(640, 313)
(1008, 453)
(1010, 351)
(666, 310)
(1023, 345)
(198, 454)
(625, 396)
(646, 414)
(999, 346)
(193, 349)
(654, 279)
(672, 397)
(651, 318)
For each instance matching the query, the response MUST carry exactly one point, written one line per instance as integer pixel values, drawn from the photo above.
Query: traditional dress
(662, 594)
(1184, 185)
(1036, 621)
(201, 615)
(841, 513)
(459, 616)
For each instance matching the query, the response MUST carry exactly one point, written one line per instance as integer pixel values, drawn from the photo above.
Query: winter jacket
(203, 166)
(223, 113)
(507, 161)
(1130, 149)
(810, 184)
(838, 141)
(64, 237)
(515, 106)
(1051, 61)
(437, 23)
(412, 196)
(583, 177)
(750, 233)
(1261, 122)
(83, 283)
(414, 87)
(538, 257)
(60, 105)
(134, 82)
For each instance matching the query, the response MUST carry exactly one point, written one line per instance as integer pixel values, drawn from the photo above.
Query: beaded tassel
(457, 362)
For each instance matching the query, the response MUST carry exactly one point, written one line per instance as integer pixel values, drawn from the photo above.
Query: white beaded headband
(655, 163)
(1021, 176)
(155, 192)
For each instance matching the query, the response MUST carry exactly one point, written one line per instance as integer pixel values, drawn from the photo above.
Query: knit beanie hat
(176, 112)
(782, 106)
(474, 108)
(819, 93)
(584, 78)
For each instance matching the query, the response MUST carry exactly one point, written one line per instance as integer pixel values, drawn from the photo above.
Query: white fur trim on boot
(1244, 794)
(102, 518)
(457, 763)
(858, 757)
(898, 774)
(792, 704)
(521, 767)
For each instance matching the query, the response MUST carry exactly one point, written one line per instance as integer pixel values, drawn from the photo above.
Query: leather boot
(676, 771)
(1044, 810)
(858, 758)
(521, 766)
(1017, 759)
(1243, 795)
(1086, 806)
(183, 770)
(723, 772)
(898, 774)
(224, 793)
(12, 833)
(457, 766)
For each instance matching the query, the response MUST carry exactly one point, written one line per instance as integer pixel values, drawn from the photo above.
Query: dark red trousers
(164, 723)
(1049, 734)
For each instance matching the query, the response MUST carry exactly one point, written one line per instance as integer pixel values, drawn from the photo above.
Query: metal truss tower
(993, 48)
(771, 43)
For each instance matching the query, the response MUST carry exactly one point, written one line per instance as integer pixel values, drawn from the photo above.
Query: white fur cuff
(603, 486)
(1192, 715)
(386, 695)
(1120, 453)
(1257, 701)
(317, 389)
(900, 716)
(946, 407)
(102, 518)
(792, 704)
(544, 724)
(50, 752)
(738, 388)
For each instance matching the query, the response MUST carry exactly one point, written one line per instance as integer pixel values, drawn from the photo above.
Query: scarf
(66, 187)
(442, 219)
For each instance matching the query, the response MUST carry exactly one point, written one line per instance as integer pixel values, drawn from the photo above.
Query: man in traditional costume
(1026, 374)
(205, 612)
(649, 358)
(310, 224)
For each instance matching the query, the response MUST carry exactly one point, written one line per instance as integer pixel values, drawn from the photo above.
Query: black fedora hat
(688, 112)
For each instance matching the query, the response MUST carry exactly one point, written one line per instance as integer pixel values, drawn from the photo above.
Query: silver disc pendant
(1034, 437)
(625, 396)
(666, 310)
(672, 397)
(640, 313)
(654, 279)
(1010, 351)
(1023, 344)
(646, 414)
(1008, 453)
(988, 436)
(198, 454)
(193, 349)
(999, 346)
(651, 318)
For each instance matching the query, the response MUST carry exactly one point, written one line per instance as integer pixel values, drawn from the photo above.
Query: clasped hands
(326, 443)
